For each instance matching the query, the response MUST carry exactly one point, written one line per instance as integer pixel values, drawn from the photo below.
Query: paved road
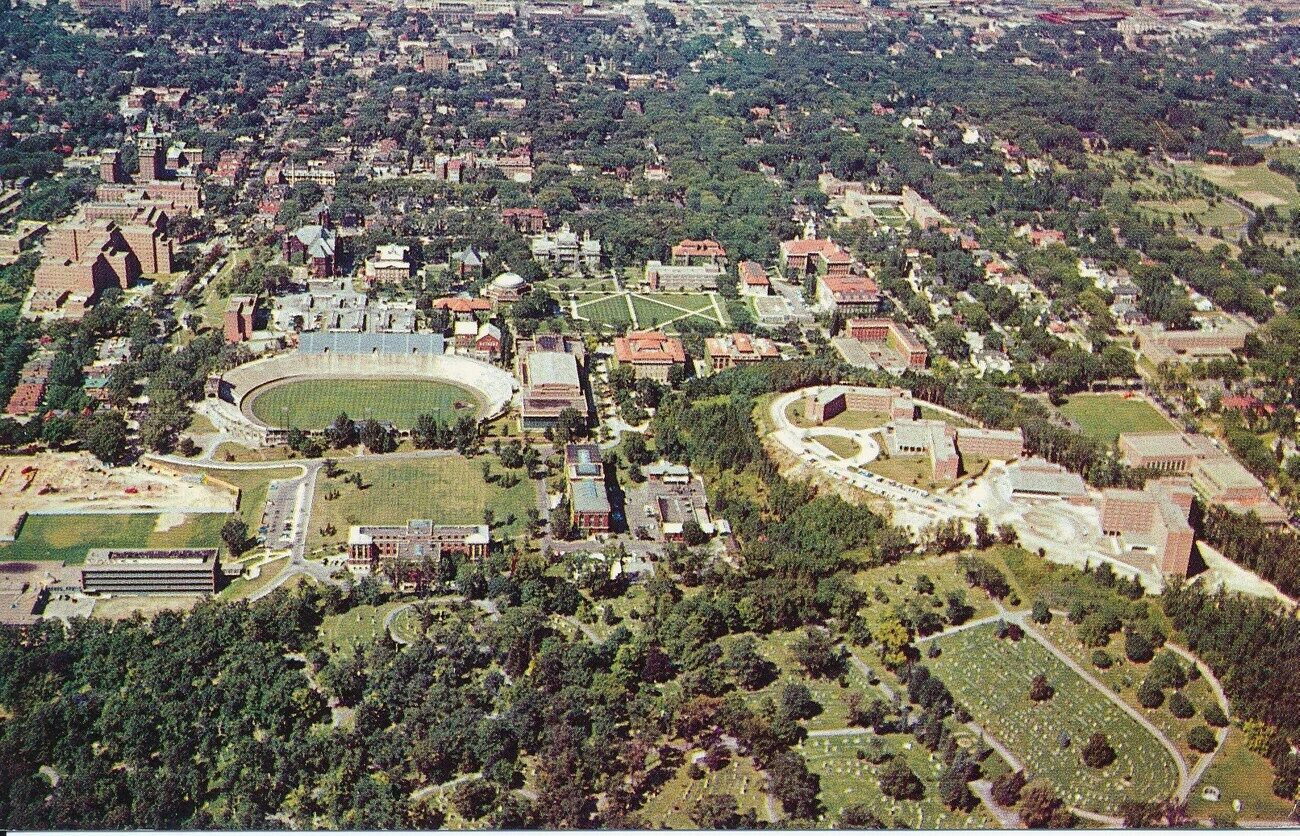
(1009, 819)
(1184, 785)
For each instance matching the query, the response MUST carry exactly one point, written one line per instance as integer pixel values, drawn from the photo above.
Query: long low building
(150, 571)
(1217, 477)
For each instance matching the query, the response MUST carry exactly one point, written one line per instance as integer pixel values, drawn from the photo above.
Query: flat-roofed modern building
(150, 571)
(1040, 479)
(1169, 451)
(1152, 520)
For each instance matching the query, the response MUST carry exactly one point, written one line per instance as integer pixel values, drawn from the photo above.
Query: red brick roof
(459, 304)
(752, 273)
(695, 249)
(648, 347)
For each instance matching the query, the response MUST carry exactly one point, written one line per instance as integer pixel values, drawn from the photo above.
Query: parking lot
(276, 531)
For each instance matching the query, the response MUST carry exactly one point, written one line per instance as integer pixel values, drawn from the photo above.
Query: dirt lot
(78, 482)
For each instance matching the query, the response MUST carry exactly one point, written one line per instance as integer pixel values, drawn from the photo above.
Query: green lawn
(606, 310)
(342, 634)
(313, 404)
(1221, 214)
(446, 489)
(1239, 773)
(991, 677)
(241, 587)
(1255, 184)
(67, 537)
(845, 448)
(654, 310)
(1104, 417)
(848, 779)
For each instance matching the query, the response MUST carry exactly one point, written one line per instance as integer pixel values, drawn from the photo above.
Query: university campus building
(150, 571)
(650, 354)
(1217, 477)
(880, 336)
(372, 548)
(1152, 520)
(550, 369)
(589, 508)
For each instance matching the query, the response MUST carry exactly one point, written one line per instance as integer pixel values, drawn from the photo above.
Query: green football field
(313, 404)
(1104, 417)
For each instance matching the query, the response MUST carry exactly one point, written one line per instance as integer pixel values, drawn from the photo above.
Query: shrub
(1202, 739)
(1097, 752)
(1180, 706)
(1215, 716)
(1150, 695)
(1137, 648)
(1006, 788)
(1040, 690)
(1102, 659)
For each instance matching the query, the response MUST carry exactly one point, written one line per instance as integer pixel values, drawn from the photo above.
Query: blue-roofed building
(363, 343)
(589, 508)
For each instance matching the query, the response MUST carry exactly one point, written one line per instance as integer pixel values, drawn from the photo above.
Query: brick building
(699, 253)
(145, 229)
(879, 335)
(313, 246)
(1152, 520)
(238, 321)
(738, 349)
(753, 279)
(650, 354)
(82, 260)
(681, 278)
(373, 548)
(806, 256)
(824, 404)
(589, 508)
(550, 369)
(528, 221)
(1216, 476)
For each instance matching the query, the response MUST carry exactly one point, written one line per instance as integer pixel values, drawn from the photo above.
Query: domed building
(506, 288)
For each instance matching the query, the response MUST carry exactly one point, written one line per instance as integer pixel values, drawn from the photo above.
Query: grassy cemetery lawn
(849, 777)
(897, 583)
(1125, 677)
(831, 694)
(991, 677)
(1104, 417)
(342, 634)
(670, 807)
